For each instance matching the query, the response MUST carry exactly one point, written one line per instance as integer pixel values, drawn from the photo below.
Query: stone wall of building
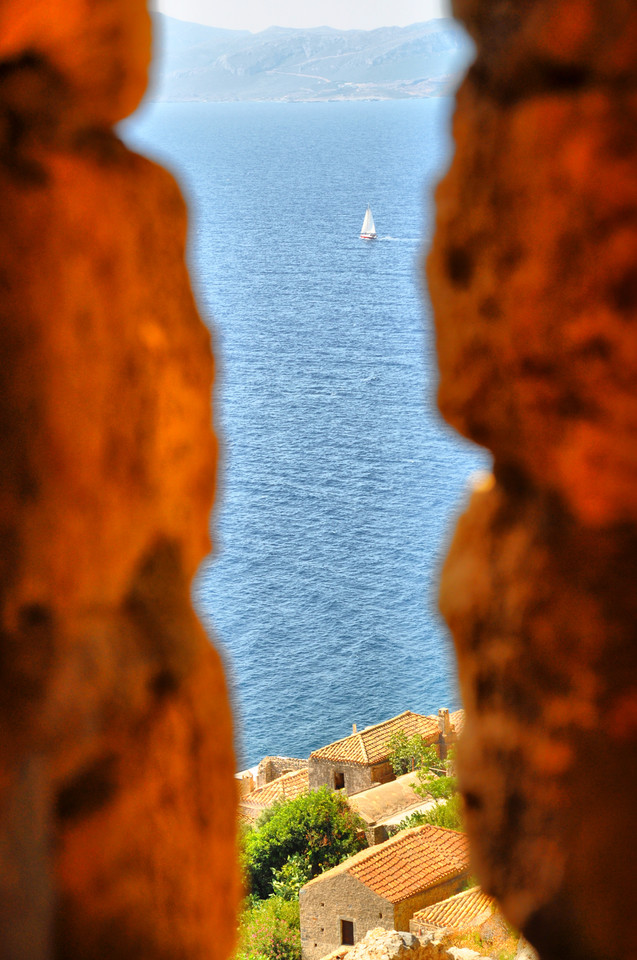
(117, 798)
(322, 773)
(341, 897)
(271, 768)
(533, 278)
(404, 911)
(382, 773)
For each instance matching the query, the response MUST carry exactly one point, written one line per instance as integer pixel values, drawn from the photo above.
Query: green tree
(318, 828)
(440, 788)
(287, 881)
(410, 753)
(432, 782)
(433, 778)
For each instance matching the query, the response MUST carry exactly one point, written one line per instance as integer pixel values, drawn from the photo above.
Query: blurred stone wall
(117, 798)
(533, 276)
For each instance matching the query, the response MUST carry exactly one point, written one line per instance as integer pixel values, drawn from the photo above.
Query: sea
(339, 482)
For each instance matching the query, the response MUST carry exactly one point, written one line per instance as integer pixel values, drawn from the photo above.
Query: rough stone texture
(117, 797)
(545, 381)
(271, 768)
(380, 944)
(533, 276)
(356, 777)
(525, 951)
(96, 53)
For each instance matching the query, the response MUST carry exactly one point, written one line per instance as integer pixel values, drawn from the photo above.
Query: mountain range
(196, 62)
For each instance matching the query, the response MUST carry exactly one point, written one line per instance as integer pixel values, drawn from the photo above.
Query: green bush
(318, 829)
(447, 814)
(410, 753)
(270, 930)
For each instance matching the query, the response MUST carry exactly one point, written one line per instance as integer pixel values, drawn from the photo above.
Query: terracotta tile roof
(287, 787)
(410, 862)
(467, 909)
(370, 745)
(457, 720)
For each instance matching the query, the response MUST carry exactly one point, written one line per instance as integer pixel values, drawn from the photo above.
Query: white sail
(368, 229)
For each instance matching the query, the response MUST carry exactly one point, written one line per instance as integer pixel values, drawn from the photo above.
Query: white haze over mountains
(256, 15)
(197, 62)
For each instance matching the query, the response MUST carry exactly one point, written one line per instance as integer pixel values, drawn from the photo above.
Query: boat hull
(368, 236)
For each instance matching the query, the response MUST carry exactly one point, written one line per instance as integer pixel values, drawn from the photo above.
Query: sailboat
(368, 230)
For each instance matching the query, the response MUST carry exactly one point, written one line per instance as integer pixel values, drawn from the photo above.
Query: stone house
(464, 911)
(287, 787)
(381, 887)
(271, 768)
(361, 760)
(385, 805)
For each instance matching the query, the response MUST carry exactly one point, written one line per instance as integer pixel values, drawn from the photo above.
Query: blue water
(340, 481)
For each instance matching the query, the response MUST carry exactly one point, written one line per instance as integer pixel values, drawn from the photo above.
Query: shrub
(318, 829)
(270, 930)
(447, 814)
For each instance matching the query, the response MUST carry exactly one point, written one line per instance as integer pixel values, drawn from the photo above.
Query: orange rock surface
(533, 277)
(117, 799)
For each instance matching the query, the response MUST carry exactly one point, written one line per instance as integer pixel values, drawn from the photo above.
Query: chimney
(353, 728)
(444, 722)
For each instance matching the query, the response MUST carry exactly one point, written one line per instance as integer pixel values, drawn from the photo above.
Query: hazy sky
(345, 14)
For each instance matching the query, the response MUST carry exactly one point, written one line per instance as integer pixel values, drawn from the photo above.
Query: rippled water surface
(339, 479)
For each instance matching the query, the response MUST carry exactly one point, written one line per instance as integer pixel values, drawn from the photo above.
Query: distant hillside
(203, 63)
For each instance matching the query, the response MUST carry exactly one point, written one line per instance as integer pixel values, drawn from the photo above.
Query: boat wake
(402, 239)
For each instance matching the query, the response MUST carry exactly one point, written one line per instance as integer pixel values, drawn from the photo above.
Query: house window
(339, 783)
(347, 932)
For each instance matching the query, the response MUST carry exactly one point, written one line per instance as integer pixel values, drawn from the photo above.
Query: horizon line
(323, 26)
